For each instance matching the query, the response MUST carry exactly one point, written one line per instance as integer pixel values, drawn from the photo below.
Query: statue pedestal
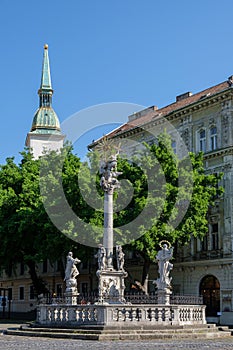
(164, 296)
(71, 297)
(71, 292)
(111, 286)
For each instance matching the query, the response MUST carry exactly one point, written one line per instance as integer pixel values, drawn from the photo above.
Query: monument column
(111, 281)
(108, 227)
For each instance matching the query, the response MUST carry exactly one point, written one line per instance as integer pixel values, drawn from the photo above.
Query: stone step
(116, 334)
(87, 330)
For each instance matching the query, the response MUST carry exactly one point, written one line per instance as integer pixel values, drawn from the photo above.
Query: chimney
(183, 96)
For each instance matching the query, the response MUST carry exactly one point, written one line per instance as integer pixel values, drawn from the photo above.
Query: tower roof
(45, 120)
(46, 77)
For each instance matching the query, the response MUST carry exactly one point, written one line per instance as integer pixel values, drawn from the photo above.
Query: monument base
(111, 286)
(71, 297)
(164, 296)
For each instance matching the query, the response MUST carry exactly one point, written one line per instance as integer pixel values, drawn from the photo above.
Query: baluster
(149, 314)
(52, 314)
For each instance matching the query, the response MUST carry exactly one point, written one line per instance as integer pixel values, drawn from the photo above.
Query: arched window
(213, 138)
(202, 140)
(210, 290)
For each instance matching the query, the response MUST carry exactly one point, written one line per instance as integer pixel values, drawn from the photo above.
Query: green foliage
(187, 190)
(27, 234)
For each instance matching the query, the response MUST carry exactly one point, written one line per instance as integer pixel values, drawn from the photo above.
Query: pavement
(8, 342)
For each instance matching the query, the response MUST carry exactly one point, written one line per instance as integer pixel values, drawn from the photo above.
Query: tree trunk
(38, 283)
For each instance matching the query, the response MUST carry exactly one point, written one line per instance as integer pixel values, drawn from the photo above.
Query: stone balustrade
(118, 315)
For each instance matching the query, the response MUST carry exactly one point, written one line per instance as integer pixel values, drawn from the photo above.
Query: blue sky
(133, 51)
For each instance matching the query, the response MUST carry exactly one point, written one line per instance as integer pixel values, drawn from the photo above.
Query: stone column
(108, 228)
(111, 281)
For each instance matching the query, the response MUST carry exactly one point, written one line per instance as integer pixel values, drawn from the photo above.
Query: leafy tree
(27, 234)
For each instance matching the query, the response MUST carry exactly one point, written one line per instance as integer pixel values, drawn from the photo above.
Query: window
(31, 293)
(213, 138)
(21, 293)
(214, 237)
(202, 140)
(9, 293)
(204, 243)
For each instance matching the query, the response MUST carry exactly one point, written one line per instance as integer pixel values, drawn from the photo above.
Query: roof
(45, 121)
(183, 101)
(46, 77)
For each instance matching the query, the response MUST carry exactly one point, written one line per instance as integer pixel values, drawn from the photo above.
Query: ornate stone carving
(108, 170)
(225, 129)
(101, 255)
(120, 258)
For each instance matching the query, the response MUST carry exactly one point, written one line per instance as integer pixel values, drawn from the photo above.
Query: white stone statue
(101, 255)
(120, 258)
(163, 257)
(71, 271)
(109, 174)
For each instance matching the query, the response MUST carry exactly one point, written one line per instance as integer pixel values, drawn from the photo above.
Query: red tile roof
(154, 113)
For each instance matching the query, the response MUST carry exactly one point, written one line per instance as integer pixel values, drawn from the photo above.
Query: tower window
(213, 138)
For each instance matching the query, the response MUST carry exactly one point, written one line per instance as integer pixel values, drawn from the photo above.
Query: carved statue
(163, 257)
(120, 258)
(109, 173)
(71, 271)
(101, 255)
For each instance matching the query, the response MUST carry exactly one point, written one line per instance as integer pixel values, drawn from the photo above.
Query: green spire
(45, 77)
(45, 91)
(45, 120)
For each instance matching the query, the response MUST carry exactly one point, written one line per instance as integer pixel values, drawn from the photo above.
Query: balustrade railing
(76, 315)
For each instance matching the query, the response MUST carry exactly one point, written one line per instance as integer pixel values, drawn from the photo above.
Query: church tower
(45, 133)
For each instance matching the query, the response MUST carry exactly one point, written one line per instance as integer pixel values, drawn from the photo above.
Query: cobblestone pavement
(8, 342)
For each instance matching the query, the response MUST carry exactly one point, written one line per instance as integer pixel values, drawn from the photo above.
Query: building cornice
(205, 262)
(219, 153)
